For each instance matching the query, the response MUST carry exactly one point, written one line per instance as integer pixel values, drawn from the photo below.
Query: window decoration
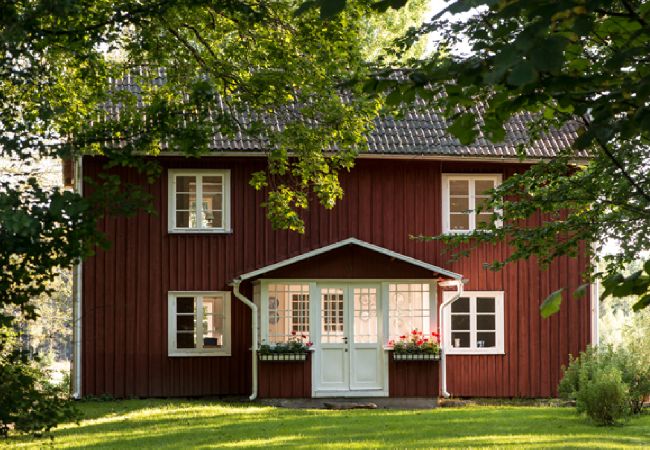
(199, 323)
(475, 323)
(288, 312)
(409, 308)
(462, 195)
(199, 200)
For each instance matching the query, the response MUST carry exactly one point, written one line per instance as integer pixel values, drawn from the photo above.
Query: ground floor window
(199, 323)
(287, 312)
(409, 308)
(474, 323)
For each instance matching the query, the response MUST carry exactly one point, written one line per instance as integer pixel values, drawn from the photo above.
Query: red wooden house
(180, 303)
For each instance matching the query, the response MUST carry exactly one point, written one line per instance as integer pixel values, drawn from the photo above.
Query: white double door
(349, 356)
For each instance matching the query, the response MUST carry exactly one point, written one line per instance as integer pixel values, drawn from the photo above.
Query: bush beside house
(607, 384)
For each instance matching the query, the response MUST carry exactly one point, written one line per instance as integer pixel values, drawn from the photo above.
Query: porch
(349, 302)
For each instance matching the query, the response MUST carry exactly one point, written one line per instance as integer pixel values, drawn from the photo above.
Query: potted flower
(416, 347)
(295, 349)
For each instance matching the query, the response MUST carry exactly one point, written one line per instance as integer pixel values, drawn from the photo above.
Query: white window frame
(172, 174)
(263, 310)
(498, 349)
(433, 306)
(225, 349)
(471, 178)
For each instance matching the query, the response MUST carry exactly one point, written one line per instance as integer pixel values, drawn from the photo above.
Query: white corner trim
(344, 242)
(77, 300)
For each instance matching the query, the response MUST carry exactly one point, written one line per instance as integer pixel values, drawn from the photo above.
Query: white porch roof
(344, 242)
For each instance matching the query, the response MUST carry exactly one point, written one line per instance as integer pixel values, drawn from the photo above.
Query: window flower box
(416, 356)
(282, 356)
(416, 347)
(292, 350)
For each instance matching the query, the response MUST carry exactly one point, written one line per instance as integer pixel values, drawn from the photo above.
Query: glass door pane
(365, 315)
(333, 314)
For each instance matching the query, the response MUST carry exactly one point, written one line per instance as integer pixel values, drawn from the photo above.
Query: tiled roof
(421, 131)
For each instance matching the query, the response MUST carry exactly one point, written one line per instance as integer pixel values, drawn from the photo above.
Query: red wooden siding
(284, 379)
(413, 378)
(125, 288)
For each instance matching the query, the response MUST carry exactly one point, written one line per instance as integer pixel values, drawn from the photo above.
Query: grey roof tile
(420, 131)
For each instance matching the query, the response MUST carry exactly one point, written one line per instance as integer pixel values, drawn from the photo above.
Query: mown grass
(211, 424)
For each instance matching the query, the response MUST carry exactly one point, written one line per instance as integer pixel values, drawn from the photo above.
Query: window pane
(183, 201)
(212, 218)
(484, 339)
(213, 338)
(460, 305)
(480, 201)
(186, 183)
(288, 312)
(459, 204)
(212, 184)
(485, 322)
(213, 305)
(408, 309)
(460, 322)
(459, 187)
(185, 305)
(365, 315)
(485, 304)
(459, 221)
(185, 340)
(300, 313)
(182, 219)
(482, 186)
(333, 314)
(460, 340)
(482, 220)
(185, 323)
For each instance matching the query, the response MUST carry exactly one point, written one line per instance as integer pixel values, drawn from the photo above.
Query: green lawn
(168, 423)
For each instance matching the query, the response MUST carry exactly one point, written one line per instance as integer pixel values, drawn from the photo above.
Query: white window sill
(203, 353)
(198, 231)
(473, 351)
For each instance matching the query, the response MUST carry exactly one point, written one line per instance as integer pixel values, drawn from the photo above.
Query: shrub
(604, 397)
(29, 403)
(621, 376)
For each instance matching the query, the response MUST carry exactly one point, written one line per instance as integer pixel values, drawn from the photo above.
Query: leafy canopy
(569, 63)
(193, 62)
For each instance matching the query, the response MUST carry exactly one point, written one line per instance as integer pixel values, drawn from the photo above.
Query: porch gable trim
(344, 242)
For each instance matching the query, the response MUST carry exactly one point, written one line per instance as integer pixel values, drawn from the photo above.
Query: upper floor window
(474, 323)
(462, 195)
(199, 323)
(199, 200)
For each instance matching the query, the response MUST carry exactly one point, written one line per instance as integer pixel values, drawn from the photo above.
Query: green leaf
(306, 6)
(330, 8)
(551, 304)
(646, 267)
(464, 128)
(644, 302)
(548, 55)
(581, 291)
(522, 74)
(383, 5)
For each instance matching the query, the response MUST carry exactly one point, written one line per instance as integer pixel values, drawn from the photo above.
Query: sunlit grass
(205, 424)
